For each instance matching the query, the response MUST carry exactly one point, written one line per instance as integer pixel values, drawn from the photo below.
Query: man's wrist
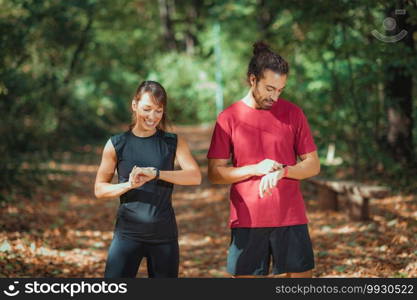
(251, 170)
(285, 170)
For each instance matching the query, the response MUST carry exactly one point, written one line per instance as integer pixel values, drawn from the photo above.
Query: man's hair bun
(260, 47)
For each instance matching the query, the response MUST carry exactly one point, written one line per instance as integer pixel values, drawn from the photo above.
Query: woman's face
(148, 113)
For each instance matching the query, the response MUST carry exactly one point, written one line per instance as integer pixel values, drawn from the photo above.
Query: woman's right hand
(136, 178)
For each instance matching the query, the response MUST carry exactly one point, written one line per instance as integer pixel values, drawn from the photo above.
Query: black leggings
(125, 256)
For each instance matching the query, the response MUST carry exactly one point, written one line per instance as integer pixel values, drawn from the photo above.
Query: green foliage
(190, 85)
(69, 70)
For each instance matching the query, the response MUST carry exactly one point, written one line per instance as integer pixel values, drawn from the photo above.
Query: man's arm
(220, 173)
(308, 167)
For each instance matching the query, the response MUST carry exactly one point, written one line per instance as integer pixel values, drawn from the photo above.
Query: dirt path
(63, 231)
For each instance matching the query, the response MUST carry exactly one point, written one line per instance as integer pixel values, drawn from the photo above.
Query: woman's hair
(158, 94)
(264, 58)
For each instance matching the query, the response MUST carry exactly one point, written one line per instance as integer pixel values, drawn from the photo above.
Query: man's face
(267, 89)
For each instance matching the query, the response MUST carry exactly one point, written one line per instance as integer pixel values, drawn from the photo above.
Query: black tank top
(146, 213)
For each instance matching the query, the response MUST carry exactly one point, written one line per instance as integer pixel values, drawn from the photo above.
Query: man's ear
(252, 80)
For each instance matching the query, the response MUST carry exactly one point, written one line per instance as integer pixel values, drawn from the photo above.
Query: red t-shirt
(250, 136)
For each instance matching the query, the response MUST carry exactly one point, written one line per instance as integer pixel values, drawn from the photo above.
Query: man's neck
(249, 100)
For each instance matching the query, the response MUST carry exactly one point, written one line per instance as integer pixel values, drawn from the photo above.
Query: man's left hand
(269, 181)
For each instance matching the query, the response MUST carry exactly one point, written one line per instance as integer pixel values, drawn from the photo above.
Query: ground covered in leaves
(61, 230)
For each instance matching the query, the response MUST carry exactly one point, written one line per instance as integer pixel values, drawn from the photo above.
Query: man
(264, 135)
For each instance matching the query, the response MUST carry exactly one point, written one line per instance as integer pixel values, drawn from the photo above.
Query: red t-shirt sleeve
(304, 142)
(221, 143)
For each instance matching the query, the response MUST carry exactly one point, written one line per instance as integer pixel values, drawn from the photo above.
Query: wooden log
(327, 198)
(358, 196)
(343, 186)
(358, 207)
(369, 191)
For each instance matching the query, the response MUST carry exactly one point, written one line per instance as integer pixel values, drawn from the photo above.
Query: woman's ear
(134, 105)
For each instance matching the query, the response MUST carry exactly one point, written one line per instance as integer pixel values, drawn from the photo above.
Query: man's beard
(261, 103)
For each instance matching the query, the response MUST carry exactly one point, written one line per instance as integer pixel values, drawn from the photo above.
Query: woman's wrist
(127, 185)
(157, 173)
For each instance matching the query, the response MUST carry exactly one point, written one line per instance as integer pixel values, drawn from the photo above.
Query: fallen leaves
(62, 231)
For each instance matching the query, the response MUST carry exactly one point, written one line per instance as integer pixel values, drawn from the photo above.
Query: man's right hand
(266, 166)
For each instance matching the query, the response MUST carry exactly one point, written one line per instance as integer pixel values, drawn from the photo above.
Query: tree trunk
(165, 15)
(192, 15)
(398, 93)
(266, 17)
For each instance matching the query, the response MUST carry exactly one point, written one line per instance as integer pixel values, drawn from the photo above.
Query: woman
(144, 158)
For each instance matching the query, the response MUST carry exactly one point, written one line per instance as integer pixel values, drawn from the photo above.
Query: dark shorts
(251, 250)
